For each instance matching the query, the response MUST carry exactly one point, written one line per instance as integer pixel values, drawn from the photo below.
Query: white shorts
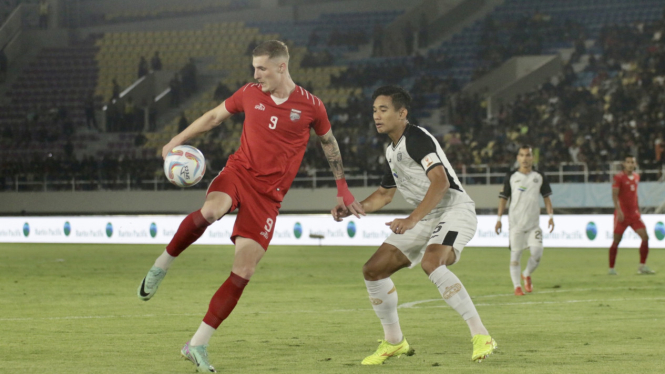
(454, 227)
(520, 239)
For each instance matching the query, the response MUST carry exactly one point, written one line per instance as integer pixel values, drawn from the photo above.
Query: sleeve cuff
(432, 167)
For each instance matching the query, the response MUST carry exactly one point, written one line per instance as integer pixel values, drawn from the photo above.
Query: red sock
(613, 253)
(224, 300)
(191, 228)
(644, 251)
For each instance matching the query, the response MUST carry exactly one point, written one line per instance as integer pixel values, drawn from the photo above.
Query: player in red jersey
(627, 214)
(278, 118)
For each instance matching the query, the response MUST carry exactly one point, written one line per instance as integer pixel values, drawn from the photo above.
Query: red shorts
(634, 222)
(256, 212)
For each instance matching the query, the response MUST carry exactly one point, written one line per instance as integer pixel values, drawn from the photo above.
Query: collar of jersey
(401, 137)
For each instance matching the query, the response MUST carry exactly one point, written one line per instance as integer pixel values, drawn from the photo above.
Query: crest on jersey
(399, 156)
(295, 115)
(536, 180)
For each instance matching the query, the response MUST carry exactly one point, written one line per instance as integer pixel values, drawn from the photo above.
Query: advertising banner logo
(351, 229)
(297, 230)
(591, 231)
(109, 229)
(659, 231)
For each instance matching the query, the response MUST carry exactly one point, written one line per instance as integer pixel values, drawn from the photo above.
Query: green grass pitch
(73, 309)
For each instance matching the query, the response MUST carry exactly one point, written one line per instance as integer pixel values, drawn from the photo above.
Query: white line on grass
(405, 305)
(533, 302)
(414, 303)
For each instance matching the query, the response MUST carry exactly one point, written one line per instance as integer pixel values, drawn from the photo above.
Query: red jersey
(274, 136)
(627, 185)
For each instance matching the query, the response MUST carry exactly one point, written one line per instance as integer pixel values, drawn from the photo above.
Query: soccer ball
(184, 166)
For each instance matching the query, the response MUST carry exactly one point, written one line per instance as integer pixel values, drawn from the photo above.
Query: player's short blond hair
(272, 49)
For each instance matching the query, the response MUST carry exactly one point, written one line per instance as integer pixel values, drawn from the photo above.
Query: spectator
(182, 122)
(250, 47)
(140, 139)
(89, 109)
(221, 92)
(175, 86)
(116, 90)
(112, 116)
(189, 81)
(143, 67)
(156, 62)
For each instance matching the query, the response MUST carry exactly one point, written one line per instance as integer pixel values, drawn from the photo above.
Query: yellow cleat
(387, 350)
(483, 346)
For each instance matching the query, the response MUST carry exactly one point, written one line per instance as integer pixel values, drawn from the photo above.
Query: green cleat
(199, 356)
(483, 346)
(643, 269)
(148, 287)
(387, 350)
(612, 272)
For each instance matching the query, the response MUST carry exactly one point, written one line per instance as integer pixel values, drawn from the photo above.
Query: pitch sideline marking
(410, 305)
(414, 303)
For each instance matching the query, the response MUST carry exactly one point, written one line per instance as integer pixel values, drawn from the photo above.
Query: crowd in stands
(500, 40)
(128, 115)
(618, 114)
(619, 111)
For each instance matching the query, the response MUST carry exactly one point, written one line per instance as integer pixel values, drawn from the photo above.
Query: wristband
(498, 219)
(343, 192)
(552, 216)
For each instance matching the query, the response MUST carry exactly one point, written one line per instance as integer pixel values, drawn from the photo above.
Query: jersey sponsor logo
(452, 291)
(260, 107)
(522, 189)
(295, 115)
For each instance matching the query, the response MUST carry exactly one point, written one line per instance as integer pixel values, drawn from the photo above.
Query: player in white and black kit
(523, 187)
(434, 234)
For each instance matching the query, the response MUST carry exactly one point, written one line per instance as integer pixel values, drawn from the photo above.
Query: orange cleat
(518, 291)
(528, 287)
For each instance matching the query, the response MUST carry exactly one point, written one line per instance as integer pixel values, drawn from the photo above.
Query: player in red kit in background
(278, 118)
(627, 213)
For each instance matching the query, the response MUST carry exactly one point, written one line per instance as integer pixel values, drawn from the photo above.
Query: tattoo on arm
(334, 156)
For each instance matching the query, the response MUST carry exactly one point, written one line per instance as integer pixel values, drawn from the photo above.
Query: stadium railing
(568, 172)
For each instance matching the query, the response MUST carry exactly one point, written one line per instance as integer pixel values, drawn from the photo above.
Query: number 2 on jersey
(273, 122)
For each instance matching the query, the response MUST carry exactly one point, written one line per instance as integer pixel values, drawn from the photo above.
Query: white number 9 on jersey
(273, 122)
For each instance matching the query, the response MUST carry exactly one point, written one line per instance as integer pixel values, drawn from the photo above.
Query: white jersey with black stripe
(524, 191)
(415, 154)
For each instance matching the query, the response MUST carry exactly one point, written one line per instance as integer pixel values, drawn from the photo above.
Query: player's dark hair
(401, 98)
(272, 49)
(526, 146)
(627, 155)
